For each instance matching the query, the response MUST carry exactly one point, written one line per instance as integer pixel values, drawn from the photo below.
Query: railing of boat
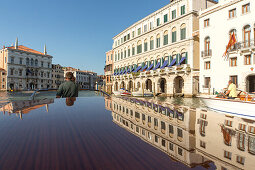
(32, 97)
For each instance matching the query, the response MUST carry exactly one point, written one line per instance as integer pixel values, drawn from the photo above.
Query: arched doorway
(162, 85)
(130, 86)
(116, 86)
(148, 85)
(178, 84)
(122, 85)
(250, 83)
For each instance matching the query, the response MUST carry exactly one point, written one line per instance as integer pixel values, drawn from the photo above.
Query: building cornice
(36, 54)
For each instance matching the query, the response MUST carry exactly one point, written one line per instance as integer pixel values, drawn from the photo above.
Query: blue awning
(133, 69)
(157, 66)
(138, 69)
(128, 70)
(172, 63)
(145, 67)
(182, 59)
(151, 66)
(164, 64)
(124, 72)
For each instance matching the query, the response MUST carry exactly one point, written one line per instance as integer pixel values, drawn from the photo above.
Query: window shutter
(186, 54)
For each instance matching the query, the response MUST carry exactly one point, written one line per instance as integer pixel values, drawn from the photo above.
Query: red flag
(231, 42)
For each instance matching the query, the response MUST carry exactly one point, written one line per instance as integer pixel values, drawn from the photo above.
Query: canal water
(99, 132)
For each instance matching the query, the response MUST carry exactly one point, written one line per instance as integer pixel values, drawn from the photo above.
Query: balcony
(207, 53)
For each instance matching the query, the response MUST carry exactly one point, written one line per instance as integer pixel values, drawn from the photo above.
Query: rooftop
(26, 49)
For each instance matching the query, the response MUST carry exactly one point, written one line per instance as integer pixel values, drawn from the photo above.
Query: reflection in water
(23, 107)
(70, 101)
(188, 135)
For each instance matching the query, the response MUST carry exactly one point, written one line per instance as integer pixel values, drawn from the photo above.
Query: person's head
(230, 82)
(70, 101)
(69, 76)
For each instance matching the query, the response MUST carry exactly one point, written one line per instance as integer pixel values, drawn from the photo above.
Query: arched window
(247, 36)
(183, 31)
(36, 62)
(133, 49)
(174, 35)
(139, 47)
(118, 55)
(165, 37)
(27, 61)
(207, 46)
(145, 46)
(32, 62)
(151, 43)
(129, 51)
(121, 54)
(125, 53)
(231, 32)
(158, 41)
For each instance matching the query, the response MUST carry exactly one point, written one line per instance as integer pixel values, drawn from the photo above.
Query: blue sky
(77, 32)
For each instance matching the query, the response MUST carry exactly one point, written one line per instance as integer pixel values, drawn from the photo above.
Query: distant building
(25, 68)
(2, 79)
(108, 71)
(82, 77)
(57, 75)
(217, 24)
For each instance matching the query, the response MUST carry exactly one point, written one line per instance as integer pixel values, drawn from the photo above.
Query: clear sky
(77, 32)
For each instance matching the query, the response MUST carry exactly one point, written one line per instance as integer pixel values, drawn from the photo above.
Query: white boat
(118, 93)
(141, 94)
(230, 106)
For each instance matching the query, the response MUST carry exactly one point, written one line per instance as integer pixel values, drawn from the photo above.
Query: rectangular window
(20, 72)
(171, 129)
(163, 143)
(227, 154)
(156, 138)
(252, 129)
(139, 31)
(171, 146)
(183, 10)
(202, 144)
(232, 13)
(165, 18)
(165, 39)
(173, 36)
(207, 65)
(128, 37)
(183, 33)
(145, 46)
(247, 60)
(180, 151)
(133, 34)
(151, 44)
(240, 160)
(145, 28)
(158, 42)
(206, 22)
(234, 80)
(173, 14)
(42, 64)
(139, 49)
(20, 61)
(228, 123)
(242, 127)
(151, 25)
(133, 51)
(128, 52)
(12, 60)
(233, 62)
(246, 8)
(207, 82)
(179, 133)
(158, 21)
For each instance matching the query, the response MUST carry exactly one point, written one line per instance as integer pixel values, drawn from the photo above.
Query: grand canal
(99, 132)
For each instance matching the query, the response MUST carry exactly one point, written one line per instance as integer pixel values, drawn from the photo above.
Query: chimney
(16, 43)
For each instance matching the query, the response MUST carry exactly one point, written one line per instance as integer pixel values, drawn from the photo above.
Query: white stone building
(216, 25)
(82, 77)
(57, 75)
(161, 50)
(26, 68)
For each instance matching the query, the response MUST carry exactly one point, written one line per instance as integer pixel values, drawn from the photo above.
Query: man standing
(68, 88)
(232, 94)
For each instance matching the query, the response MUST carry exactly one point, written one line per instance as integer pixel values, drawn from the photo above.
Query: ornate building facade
(108, 71)
(57, 75)
(160, 52)
(25, 68)
(217, 25)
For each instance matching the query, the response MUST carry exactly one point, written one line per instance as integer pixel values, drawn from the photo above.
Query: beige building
(2, 79)
(108, 71)
(226, 140)
(57, 75)
(166, 127)
(161, 51)
(25, 68)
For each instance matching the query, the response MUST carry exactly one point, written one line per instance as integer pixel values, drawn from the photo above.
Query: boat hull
(236, 107)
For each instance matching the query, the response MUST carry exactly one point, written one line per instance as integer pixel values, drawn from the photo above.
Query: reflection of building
(108, 103)
(108, 71)
(57, 75)
(217, 23)
(161, 50)
(226, 140)
(166, 127)
(24, 107)
(26, 68)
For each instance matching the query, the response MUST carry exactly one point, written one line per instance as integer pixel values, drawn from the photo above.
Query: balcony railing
(243, 45)
(207, 53)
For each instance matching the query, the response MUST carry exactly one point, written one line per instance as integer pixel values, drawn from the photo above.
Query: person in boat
(231, 93)
(69, 88)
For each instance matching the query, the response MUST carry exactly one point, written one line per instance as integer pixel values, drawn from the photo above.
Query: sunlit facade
(160, 52)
